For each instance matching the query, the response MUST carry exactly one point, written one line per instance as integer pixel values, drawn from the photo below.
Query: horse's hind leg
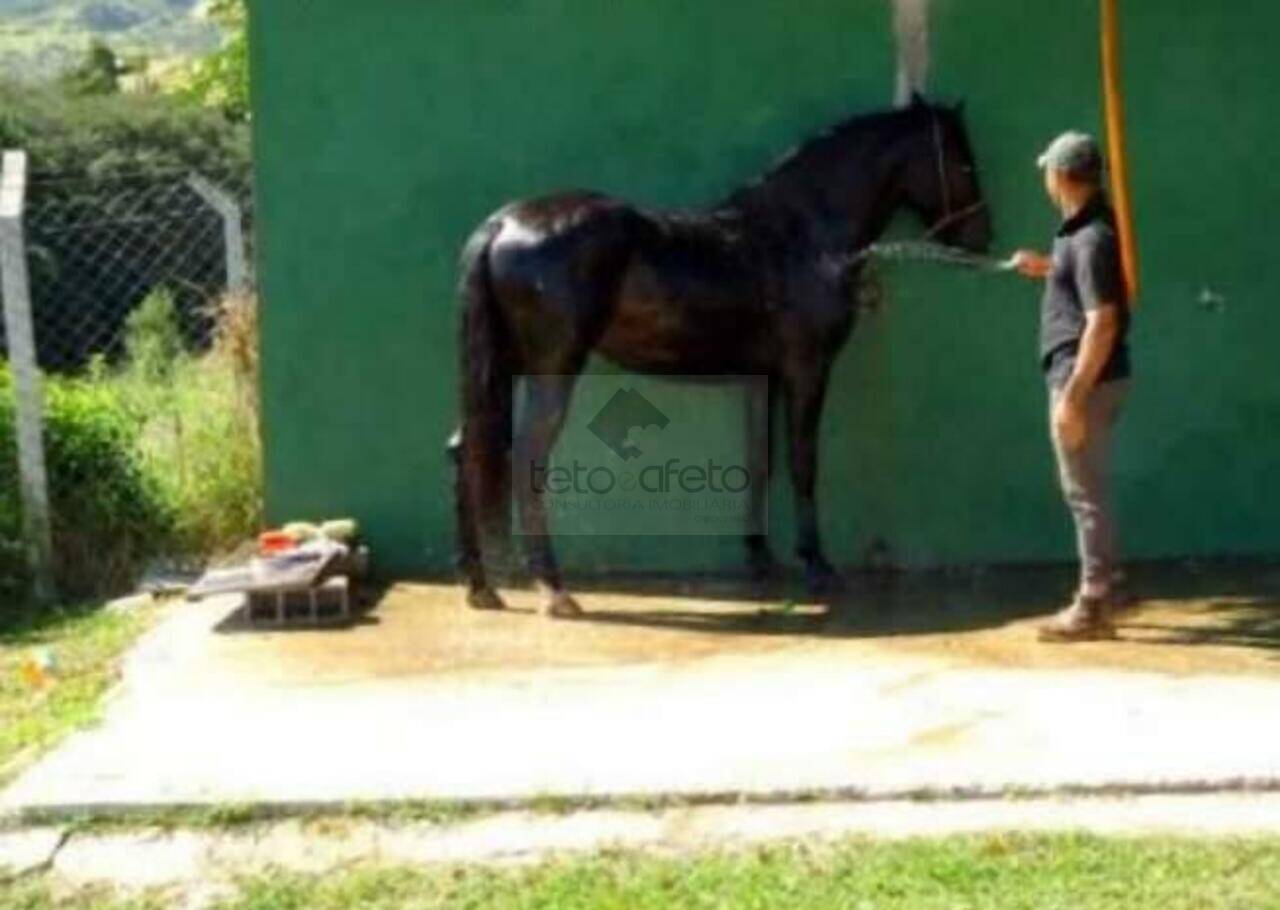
(759, 417)
(470, 560)
(545, 405)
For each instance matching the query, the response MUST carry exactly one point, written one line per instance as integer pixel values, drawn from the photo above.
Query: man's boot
(1087, 619)
(1121, 597)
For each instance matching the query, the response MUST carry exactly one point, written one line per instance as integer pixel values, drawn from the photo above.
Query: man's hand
(1069, 425)
(1032, 264)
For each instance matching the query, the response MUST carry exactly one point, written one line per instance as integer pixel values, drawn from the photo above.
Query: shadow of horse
(1229, 605)
(870, 605)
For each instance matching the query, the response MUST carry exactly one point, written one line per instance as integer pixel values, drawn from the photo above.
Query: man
(1084, 321)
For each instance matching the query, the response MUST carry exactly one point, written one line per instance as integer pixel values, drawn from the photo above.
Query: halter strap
(944, 187)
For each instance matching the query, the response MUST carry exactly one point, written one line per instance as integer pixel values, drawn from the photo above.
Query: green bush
(220, 79)
(13, 566)
(153, 340)
(107, 511)
(156, 457)
(103, 138)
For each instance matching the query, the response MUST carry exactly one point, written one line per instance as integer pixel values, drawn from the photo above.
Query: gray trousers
(1084, 474)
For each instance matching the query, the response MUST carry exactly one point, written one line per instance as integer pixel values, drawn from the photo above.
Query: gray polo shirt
(1086, 273)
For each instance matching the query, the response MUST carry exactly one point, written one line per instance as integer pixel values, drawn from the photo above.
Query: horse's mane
(841, 134)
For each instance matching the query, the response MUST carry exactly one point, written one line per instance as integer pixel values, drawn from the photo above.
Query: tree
(98, 139)
(221, 79)
(98, 74)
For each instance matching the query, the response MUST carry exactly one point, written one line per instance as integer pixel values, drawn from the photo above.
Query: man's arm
(1102, 326)
(1099, 283)
(1097, 274)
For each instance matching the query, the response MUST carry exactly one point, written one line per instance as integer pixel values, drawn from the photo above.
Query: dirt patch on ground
(1184, 622)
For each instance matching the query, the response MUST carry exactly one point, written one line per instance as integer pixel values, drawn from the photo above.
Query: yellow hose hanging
(1116, 148)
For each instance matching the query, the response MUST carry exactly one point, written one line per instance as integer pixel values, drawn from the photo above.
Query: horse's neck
(799, 204)
(880, 211)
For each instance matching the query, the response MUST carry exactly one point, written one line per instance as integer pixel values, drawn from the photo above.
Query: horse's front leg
(542, 417)
(805, 394)
(759, 419)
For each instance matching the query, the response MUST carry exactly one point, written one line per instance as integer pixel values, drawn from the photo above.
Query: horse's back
(550, 233)
(652, 292)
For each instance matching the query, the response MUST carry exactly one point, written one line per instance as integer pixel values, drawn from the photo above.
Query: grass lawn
(85, 643)
(1070, 872)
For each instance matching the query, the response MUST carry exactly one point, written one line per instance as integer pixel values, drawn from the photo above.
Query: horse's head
(940, 178)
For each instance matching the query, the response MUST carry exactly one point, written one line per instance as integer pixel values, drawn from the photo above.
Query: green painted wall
(387, 129)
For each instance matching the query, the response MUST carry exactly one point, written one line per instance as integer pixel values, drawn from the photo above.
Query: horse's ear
(917, 99)
(958, 109)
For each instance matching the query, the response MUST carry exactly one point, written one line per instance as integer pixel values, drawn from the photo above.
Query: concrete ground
(913, 687)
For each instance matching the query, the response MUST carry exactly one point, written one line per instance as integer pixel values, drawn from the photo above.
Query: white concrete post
(228, 210)
(911, 28)
(28, 400)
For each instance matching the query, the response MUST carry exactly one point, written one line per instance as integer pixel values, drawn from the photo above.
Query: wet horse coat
(762, 284)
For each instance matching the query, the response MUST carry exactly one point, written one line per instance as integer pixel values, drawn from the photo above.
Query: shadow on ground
(1231, 622)
(1234, 606)
(1187, 620)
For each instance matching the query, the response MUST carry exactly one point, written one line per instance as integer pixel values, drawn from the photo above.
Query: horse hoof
(821, 580)
(485, 599)
(561, 605)
(761, 588)
(763, 569)
(763, 582)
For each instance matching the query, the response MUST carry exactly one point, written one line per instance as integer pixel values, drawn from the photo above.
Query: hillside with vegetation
(40, 38)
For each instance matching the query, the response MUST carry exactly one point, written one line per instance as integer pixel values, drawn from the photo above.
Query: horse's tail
(488, 370)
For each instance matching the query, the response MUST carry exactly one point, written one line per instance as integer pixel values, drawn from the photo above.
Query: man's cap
(1075, 153)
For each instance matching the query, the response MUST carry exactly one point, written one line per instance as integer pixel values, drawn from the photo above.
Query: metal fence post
(28, 400)
(228, 209)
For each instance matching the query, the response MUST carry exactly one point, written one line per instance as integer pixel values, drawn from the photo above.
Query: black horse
(761, 285)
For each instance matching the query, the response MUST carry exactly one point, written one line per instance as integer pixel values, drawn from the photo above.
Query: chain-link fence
(97, 248)
(115, 291)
